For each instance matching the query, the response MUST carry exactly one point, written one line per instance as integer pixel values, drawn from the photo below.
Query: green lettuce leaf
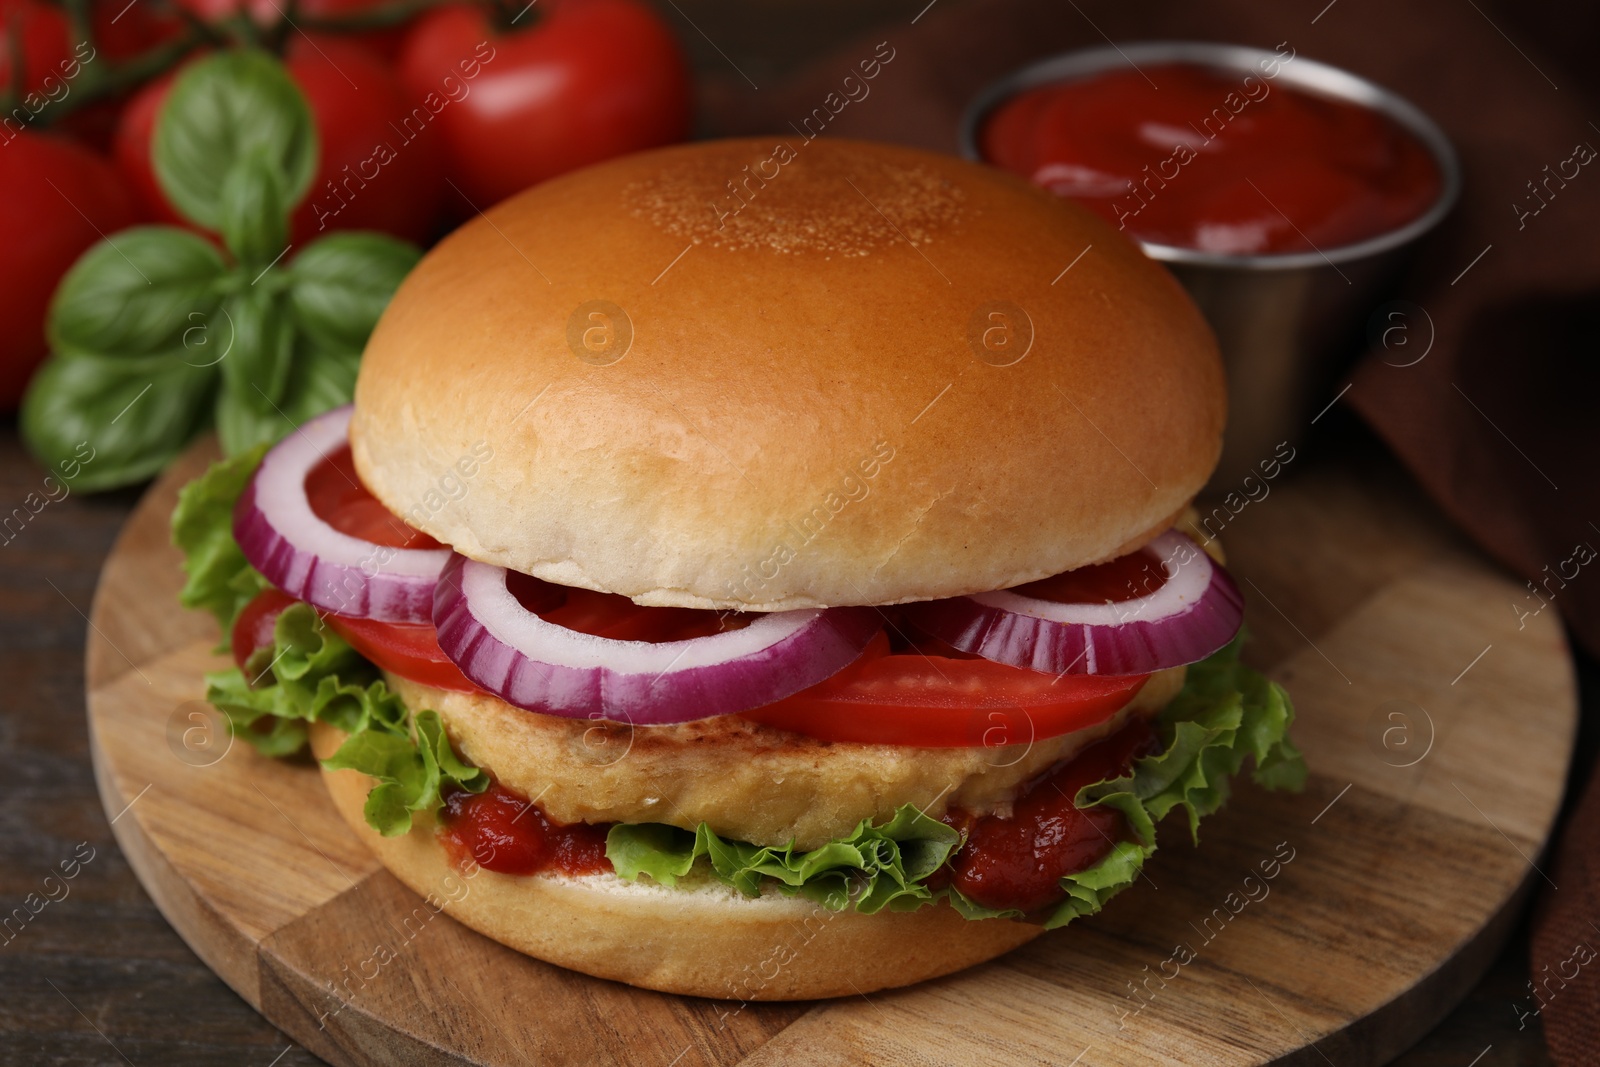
(1225, 713)
(875, 866)
(314, 676)
(310, 674)
(218, 578)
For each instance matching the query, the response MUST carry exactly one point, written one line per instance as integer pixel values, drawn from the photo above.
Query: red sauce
(501, 831)
(1217, 160)
(339, 499)
(1019, 862)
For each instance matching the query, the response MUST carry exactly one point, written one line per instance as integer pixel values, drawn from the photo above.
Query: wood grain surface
(1409, 848)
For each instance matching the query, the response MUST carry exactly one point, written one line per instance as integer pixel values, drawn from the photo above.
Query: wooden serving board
(1438, 735)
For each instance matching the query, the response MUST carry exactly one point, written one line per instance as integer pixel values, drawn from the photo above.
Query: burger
(754, 569)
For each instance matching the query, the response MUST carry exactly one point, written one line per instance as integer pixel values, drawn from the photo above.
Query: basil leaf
(255, 372)
(319, 380)
(137, 293)
(340, 285)
(136, 414)
(221, 110)
(255, 218)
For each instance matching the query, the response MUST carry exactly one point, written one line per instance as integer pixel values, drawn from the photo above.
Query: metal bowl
(1287, 322)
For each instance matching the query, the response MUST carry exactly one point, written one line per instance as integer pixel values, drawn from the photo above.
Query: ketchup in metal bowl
(1216, 160)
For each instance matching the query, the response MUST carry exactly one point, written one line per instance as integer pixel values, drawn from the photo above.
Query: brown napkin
(1492, 421)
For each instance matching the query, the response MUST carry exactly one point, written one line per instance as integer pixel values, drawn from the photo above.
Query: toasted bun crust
(776, 373)
(707, 940)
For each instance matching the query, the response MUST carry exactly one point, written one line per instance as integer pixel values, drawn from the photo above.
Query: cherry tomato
(378, 165)
(44, 41)
(1018, 862)
(252, 631)
(56, 199)
(574, 82)
(935, 701)
(52, 61)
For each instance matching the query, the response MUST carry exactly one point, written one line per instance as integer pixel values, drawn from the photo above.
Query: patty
(747, 781)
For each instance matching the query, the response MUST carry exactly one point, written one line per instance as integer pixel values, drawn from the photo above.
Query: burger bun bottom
(702, 939)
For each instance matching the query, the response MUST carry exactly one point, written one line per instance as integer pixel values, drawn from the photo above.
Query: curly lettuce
(1224, 714)
(309, 674)
(217, 578)
(877, 867)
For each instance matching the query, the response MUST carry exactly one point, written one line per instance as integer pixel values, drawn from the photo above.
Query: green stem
(14, 91)
(113, 78)
(78, 18)
(200, 29)
(275, 36)
(513, 16)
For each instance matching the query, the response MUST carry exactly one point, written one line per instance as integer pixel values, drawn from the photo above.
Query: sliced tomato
(252, 631)
(1128, 577)
(616, 617)
(936, 701)
(339, 499)
(410, 650)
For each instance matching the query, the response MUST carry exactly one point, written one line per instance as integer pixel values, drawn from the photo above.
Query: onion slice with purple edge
(545, 667)
(1196, 611)
(304, 556)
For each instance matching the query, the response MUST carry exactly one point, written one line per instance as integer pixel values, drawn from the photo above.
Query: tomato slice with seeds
(923, 699)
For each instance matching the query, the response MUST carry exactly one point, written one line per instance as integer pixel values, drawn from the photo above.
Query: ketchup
(1216, 160)
(501, 831)
(1019, 862)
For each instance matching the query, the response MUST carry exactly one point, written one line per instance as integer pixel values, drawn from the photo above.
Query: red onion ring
(1196, 611)
(541, 666)
(307, 558)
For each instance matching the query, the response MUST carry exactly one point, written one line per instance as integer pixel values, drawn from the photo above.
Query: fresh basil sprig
(157, 333)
